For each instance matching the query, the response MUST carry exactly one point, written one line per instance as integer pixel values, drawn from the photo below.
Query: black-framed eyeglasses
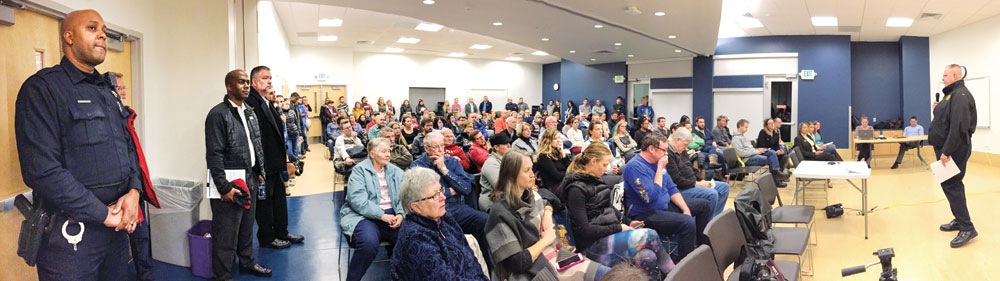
(435, 195)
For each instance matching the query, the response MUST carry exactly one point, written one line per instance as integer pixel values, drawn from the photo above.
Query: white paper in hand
(211, 192)
(944, 172)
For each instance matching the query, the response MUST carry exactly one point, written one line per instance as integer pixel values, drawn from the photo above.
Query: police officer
(78, 157)
(951, 136)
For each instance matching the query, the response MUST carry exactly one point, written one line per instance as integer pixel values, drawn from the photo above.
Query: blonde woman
(624, 144)
(524, 141)
(551, 164)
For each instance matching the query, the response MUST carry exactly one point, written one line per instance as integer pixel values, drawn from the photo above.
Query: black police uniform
(77, 155)
(951, 134)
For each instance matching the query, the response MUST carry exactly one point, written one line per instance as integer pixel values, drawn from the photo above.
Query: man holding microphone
(951, 136)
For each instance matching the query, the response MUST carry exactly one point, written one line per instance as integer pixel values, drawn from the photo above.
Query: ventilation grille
(930, 16)
(604, 52)
(365, 42)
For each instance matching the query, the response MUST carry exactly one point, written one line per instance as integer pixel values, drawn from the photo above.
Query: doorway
(781, 107)
(636, 91)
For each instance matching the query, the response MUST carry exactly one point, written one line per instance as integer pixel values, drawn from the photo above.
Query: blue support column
(702, 96)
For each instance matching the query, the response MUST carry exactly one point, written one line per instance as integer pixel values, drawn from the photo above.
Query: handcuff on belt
(72, 239)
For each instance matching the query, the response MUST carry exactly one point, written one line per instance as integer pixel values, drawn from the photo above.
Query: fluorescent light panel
(659, 14)
(458, 55)
(432, 27)
(326, 38)
(514, 58)
(480, 47)
(394, 50)
(898, 22)
(408, 40)
(540, 53)
(330, 22)
(824, 21)
(429, 2)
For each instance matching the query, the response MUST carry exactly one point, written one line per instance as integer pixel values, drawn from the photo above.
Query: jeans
(716, 197)
(688, 229)
(954, 188)
(365, 241)
(768, 158)
(291, 143)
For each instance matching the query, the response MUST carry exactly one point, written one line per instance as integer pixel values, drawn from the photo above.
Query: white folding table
(848, 171)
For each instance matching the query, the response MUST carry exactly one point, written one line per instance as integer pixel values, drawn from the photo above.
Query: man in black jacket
(951, 136)
(232, 142)
(272, 216)
(682, 172)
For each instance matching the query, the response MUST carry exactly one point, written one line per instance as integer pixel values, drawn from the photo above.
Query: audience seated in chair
(500, 144)
(551, 164)
(371, 212)
(521, 230)
(430, 244)
(602, 233)
(807, 146)
(683, 174)
(346, 149)
(757, 156)
(525, 142)
(864, 149)
(456, 183)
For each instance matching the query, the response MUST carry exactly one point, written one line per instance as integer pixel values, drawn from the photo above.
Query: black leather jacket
(226, 144)
(954, 120)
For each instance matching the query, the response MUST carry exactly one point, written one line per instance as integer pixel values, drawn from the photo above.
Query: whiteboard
(980, 89)
(497, 96)
(742, 105)
(670, 105)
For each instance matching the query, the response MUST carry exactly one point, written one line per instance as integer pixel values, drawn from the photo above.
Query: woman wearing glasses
(372, 212)
(430, 234)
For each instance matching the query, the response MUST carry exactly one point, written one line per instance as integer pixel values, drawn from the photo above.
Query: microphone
(937, 97)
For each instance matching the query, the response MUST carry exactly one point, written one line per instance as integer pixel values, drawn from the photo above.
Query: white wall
(390, 76)
(272, 46)
(185, 56)
(974, 46)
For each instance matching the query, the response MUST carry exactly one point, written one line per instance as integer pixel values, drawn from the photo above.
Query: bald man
(78, 157)
(951, 136)
(233, 142)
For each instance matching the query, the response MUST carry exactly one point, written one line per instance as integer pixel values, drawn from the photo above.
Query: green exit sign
(619, 79)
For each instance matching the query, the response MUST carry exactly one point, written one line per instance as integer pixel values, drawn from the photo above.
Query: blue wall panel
(875, 79)
(915, 80)
(827, 97)
(592, 82)
(670, 83)
(550, 76)
(738, 81)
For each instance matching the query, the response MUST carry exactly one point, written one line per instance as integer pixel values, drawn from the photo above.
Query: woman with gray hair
(430, 234)
(372, 211)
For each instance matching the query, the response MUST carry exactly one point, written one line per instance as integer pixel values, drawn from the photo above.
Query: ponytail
(596, 150)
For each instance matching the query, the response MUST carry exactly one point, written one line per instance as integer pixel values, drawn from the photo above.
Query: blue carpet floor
(323, 256)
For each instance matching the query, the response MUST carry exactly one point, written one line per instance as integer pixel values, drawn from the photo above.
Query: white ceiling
(863, 20)
(569, 25)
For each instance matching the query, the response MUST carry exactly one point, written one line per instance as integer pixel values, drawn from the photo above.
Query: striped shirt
(383, 198)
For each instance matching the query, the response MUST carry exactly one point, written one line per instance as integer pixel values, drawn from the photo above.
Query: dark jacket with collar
(954, 120)
(680, 169)
(588, 202)
(226, 146)
(272, 136)
(443, 243)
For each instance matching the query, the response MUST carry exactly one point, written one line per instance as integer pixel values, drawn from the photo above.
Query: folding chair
(727, 240)
(744, 173)
(794, 214)
(698, 265)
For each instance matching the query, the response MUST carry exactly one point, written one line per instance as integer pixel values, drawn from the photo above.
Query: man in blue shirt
(486, 106)
(654, 197)
(644, 110)
(910, 131)
(455, 182)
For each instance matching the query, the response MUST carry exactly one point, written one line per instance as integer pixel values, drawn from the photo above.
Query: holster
(33, 229)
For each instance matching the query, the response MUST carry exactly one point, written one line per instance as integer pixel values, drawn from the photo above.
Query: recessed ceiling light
(618, 44)
(659, 14)
(496, 23)
(480, 46)
(898, 22)
(672, 36)
(330, 22)
(677, 51)
(326, 38)
(432, 27)
(429, 2)
(394, 50)
(630, 55)
(408, 40)
(514, 58)
(458, 55)
(824, 21)
(598, 26)
(545, 39)
(540, 53)
(593, 59)
(572, 52)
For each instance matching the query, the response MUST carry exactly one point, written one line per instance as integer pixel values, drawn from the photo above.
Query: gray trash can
(168, 225)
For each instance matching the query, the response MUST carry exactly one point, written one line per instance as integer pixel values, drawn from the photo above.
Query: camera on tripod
(885, 258)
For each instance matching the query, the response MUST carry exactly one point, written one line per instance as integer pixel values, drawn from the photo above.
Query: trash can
(200, 241)
(168, 225)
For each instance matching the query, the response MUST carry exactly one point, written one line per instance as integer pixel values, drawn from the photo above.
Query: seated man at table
(913, 130)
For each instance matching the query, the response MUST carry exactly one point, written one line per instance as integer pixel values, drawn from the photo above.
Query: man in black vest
(272, 211)
(951, 135)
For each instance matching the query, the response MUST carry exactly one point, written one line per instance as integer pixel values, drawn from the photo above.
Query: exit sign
(619, 79)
